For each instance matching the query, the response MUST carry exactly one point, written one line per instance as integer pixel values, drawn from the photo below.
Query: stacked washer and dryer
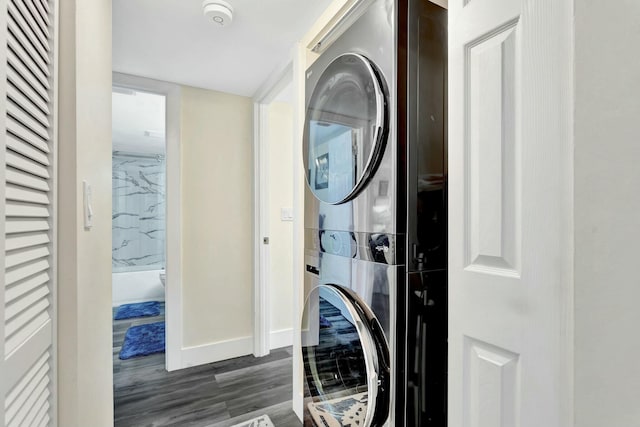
(374, 327)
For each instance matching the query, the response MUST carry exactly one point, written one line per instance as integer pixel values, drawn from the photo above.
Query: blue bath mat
(143, 340)
(140, 309)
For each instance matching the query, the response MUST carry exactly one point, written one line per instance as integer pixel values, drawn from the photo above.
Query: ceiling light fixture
(218, 11)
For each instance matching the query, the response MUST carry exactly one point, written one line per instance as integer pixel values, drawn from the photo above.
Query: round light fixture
(218, 11)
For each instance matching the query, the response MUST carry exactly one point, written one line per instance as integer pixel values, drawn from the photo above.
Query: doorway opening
(274, 220)
(138, 224)
(149, 151)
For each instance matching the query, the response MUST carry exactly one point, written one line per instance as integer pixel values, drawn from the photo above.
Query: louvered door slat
(25, 286)
(17, 177)
(20, 273)
(25, 255)
(27, 127)
(23, 240)
(26, 301)
(42, 25)
(29, 31)
(27, 297)
(25, 87)
(15, 416)
(21, 194)
(41, 418)
(17, 209)
(25, 225)
(30, 155)
(45, 4)
(40, 34)
(25, 74)
(25, 103)
(41, 403)
(43, 13)
(27, 134)
(24, 382)
(24, 50)
(27, 413)
(18, 328)
(20, 162)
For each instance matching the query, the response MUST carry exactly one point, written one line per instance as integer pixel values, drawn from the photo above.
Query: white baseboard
(214, 352)
(281, 338)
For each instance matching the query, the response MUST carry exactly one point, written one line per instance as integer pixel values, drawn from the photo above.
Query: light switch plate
(88, 208)
(286, 214)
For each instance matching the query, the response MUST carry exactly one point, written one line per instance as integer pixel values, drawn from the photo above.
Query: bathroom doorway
(146, 220)
(138, 228)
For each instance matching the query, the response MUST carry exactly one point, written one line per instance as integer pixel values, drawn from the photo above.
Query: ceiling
(171, 40)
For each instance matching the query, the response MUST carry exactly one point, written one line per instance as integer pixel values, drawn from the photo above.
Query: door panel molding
(510, 195)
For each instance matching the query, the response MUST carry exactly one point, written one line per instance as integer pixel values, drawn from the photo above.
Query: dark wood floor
(216, 395)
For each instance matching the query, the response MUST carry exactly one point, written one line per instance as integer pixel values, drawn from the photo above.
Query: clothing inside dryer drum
(334, 364)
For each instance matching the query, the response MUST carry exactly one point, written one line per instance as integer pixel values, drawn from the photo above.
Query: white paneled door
(510, 187)
(27, 303)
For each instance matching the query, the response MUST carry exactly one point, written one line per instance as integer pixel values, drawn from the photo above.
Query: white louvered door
(27, 164)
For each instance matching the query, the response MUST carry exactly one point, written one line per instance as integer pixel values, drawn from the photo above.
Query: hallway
(215, 395)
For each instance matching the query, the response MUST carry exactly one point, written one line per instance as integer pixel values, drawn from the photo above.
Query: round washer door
(346, 361)
(346, 128)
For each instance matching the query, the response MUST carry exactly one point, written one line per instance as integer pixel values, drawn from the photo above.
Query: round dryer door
(346, 361)
(346, 128)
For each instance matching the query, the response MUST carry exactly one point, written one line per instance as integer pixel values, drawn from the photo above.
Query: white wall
(84, 257)
(280, 126)
(137, 286)
(607, 219)
(217, 177)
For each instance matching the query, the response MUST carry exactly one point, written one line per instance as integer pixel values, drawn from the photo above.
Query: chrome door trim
(368, 328)
(379, 138)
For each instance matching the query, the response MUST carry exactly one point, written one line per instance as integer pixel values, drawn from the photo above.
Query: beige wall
(84, 257)
(217, 179)
(280, 127)
(607, 220)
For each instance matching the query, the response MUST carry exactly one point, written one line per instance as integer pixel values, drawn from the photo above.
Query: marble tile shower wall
(138, 213)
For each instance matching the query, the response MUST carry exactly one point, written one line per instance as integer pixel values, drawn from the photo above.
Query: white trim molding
(261, 224)
(281, 338)
(261, 251)
(173, 267)
(299, 68)
(215, 352)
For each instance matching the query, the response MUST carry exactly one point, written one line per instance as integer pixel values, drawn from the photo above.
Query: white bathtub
(137, 286)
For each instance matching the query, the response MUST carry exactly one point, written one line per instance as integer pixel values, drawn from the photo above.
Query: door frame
(264, 96)
(173, 243)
